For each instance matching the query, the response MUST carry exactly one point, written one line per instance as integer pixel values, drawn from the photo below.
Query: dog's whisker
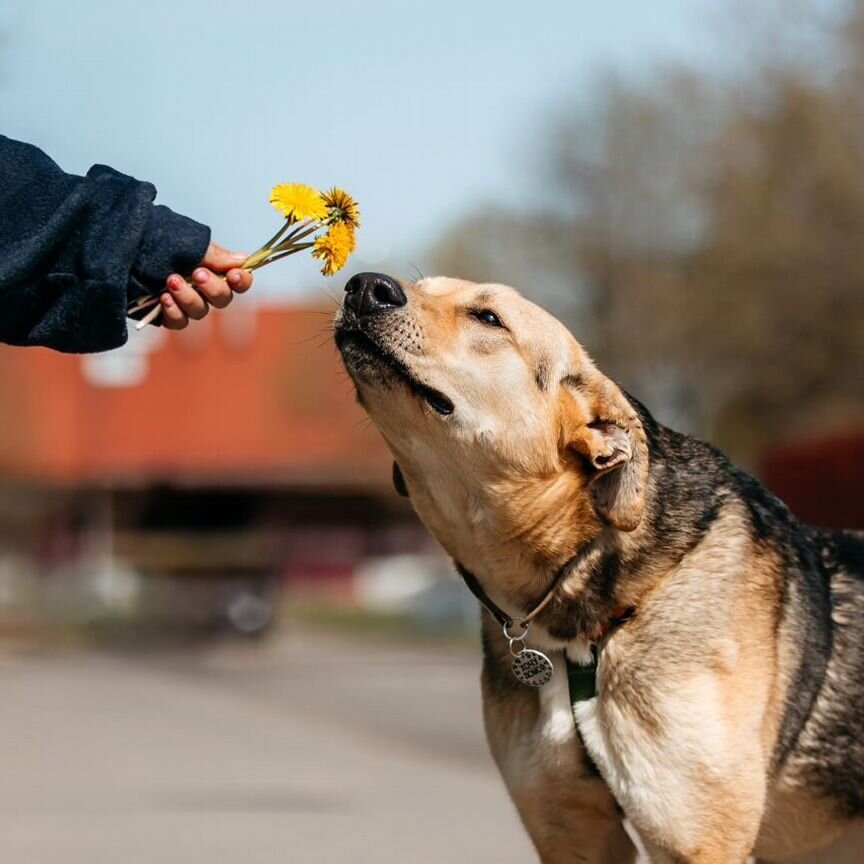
(327, 294)
(322, 337)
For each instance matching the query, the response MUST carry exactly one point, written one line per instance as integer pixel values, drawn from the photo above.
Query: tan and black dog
(728, 719)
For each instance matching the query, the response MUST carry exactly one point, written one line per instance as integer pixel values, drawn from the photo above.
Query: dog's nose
(371, 293)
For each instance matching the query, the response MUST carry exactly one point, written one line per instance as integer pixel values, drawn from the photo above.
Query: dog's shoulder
(694, 478)
(692, 482)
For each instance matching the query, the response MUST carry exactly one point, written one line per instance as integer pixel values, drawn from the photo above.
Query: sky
(424, 111)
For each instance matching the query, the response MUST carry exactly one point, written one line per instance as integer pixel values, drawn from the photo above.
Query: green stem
(256, 259)
(298, 227)
(285, 226)
(297, 235)
(293, 251)
(300, 231)
(268, 256)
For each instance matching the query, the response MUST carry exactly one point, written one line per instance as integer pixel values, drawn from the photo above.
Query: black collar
(620, 615)
(507, 621)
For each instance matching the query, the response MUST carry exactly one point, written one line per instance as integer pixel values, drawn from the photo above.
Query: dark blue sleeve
(75, 250)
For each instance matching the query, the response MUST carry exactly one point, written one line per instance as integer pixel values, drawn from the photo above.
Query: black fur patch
(541, 376)
(570, 618)
(831, 754)
(574, 382)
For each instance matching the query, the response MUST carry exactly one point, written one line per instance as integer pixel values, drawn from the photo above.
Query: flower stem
(142, 303)
(285, 225)
(297, 235)
(298, 227)
(256, 259)
(292, 251)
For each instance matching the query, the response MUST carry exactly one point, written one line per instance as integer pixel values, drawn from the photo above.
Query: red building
(251, 395)
(822, 481)
(234, 449)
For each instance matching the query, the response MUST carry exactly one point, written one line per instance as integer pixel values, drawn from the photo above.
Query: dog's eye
(487, 316)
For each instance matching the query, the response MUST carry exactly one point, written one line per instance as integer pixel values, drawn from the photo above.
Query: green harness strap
(582, 679)
(583, 686)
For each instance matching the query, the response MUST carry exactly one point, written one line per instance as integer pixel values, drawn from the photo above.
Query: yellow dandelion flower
(334, 247)
(342, 207)
(297, 201)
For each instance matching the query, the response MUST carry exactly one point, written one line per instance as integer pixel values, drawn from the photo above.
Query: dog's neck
(515, 533)
(606, 570)
(578, 600)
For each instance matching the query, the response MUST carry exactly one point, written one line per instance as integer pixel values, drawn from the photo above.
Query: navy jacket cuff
(171, 244)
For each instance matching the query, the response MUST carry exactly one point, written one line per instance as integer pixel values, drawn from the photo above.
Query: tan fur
(543, 763)
(695, 723)
(544, 455)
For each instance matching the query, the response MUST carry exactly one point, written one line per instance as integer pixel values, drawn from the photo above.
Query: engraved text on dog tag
(532, 667)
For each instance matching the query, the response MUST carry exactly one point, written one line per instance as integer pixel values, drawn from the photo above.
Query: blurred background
(222, 634)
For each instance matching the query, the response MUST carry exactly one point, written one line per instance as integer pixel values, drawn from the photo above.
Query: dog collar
(505, 620)
(533, 667)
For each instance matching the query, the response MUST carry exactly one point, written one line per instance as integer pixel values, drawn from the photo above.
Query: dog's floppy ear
(603, 429)
(399, 481)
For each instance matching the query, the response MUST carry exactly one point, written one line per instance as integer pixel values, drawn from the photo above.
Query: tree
(713, 228)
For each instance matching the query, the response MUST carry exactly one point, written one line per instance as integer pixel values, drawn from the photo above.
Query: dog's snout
(371, 293)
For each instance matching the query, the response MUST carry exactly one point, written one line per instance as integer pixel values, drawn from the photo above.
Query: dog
(728, 719)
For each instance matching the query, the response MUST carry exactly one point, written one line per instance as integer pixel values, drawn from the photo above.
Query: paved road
(307, 749)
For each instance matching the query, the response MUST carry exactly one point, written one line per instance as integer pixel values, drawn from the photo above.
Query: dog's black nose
(371, 293)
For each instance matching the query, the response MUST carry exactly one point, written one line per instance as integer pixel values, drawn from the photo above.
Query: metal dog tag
(532, 667)
(529, 667)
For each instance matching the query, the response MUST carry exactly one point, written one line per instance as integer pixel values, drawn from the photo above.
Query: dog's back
(820, 744)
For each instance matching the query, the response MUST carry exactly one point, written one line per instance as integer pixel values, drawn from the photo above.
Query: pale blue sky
(421, 110)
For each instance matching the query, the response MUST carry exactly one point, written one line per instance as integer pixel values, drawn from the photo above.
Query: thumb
(220, 259)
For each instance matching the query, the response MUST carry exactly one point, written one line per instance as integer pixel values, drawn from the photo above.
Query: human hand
(213, 283)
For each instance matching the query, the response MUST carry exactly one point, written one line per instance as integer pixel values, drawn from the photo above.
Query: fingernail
(167, 300)
(239, 257)
(234, 278)
(200, 275)
(174, 283)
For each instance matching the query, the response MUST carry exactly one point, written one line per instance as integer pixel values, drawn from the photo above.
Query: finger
(240, 280)
(187, 298)
(213, 288)
(220, 259)
(173, 317)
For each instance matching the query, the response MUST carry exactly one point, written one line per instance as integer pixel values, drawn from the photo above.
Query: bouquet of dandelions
(324, 222)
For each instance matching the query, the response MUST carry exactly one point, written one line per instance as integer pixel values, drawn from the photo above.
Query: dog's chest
(647, 772)
(552, 741)
(532, 755)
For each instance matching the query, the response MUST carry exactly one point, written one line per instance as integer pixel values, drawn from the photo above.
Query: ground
(308, 748)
